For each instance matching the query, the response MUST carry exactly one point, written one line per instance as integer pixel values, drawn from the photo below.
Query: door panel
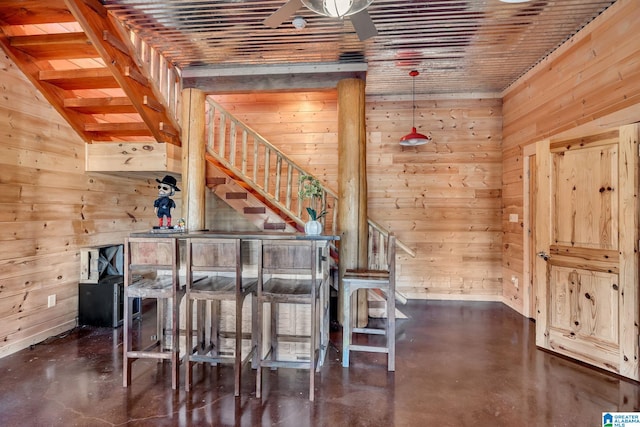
(586, 236)
(583, 303)
(585, 205)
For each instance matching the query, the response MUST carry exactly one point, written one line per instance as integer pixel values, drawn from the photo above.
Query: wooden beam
(153, 104)
(193, 159)
(132, 157)
(352, 182)
(270, 78)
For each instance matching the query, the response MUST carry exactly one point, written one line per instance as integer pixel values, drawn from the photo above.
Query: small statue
(163, 204)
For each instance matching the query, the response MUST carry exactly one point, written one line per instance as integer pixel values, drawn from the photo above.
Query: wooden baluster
(244, 152)
(212, 131)
(267, 168)
(289, 185)
(221, 134)
(276, 190)
(232, 142)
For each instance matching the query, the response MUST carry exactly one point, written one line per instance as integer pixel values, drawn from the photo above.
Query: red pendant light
(414, 138)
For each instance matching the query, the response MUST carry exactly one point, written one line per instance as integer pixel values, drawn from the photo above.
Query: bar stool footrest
(149, 355)
(370, 331)
(369, 348)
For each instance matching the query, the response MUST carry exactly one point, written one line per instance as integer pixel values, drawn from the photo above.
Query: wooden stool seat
(384, 281)
(151, 288)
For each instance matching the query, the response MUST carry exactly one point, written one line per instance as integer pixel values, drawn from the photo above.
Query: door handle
(545, 256)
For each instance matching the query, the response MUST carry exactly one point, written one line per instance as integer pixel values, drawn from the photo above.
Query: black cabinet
(101, 304)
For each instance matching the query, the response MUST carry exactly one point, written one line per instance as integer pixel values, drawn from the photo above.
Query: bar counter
(250, 243)
(245, 235)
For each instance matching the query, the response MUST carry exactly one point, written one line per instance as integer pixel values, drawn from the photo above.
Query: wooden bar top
(247, 235)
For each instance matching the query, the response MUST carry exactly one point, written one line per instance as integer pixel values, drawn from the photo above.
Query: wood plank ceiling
(475, 47)
(77, 54)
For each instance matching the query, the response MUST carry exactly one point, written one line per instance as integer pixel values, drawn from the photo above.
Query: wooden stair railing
(85, 64)
(226, 186)
(265, 170)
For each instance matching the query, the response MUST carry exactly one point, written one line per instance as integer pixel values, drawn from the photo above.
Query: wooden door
(586, 245)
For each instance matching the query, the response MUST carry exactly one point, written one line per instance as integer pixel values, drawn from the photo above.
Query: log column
(352, 184)
(193, 158)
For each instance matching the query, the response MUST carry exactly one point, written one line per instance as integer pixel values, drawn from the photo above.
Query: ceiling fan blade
(364, 26)
(285, 12)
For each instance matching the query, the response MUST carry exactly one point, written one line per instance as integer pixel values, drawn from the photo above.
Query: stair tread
(110, 105)
(215, 180)
(231, 195)
(56, 46)
(274, 225)
(31, 12)
(255, 210)
(87, 78)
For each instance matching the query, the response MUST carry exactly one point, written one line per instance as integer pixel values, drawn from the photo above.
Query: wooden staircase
(84, 63)
(254, 208)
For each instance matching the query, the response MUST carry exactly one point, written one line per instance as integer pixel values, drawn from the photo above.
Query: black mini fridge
(101, 287)
(101, 304)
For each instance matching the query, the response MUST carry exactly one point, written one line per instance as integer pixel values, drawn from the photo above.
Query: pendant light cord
(413, 120)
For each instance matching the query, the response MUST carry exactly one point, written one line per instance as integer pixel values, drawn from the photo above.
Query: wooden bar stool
(288, 273)
(215, 275)
(151, 271)
(385, 281)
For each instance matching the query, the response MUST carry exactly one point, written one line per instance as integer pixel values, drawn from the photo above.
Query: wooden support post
(352, 184)
(193, 158)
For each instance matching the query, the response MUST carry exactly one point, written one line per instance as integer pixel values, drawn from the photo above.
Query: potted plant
(311, 189)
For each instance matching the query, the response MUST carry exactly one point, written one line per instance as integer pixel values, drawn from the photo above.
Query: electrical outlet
(51, 301)
(513, 217)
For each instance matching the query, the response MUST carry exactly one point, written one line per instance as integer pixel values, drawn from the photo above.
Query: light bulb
(337, 8)
(299, 22)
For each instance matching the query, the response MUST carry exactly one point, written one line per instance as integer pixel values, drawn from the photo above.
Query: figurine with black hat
(163, 204)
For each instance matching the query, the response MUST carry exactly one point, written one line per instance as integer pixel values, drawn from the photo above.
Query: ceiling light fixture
(299, 22)
(414, 138)
(336, 8)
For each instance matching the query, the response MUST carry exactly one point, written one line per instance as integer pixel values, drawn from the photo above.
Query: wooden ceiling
(473, 47)
(114, 68)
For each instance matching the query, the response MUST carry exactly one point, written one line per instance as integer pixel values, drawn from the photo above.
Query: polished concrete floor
(458, 364)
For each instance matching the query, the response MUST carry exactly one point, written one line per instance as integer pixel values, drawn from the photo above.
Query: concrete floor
(458, 364)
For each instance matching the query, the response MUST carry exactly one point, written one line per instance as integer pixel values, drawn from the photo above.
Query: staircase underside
(82, 61)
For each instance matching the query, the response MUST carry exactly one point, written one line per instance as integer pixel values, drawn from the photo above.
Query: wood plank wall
(449, 200)
(49, 209)
(442, 199)
(591, 80)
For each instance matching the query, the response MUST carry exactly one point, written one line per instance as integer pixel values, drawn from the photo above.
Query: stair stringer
(244, 202)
